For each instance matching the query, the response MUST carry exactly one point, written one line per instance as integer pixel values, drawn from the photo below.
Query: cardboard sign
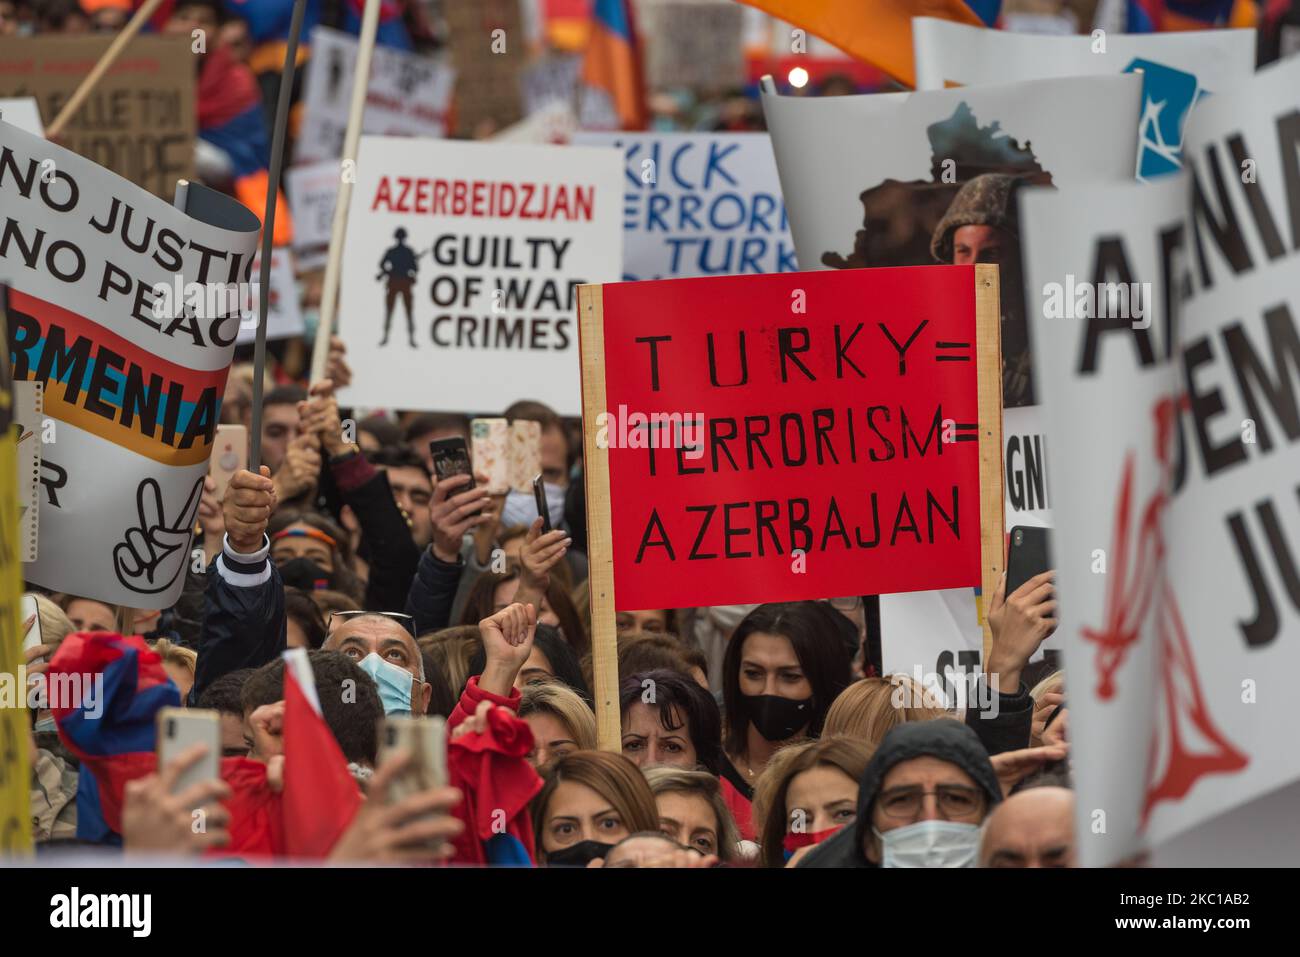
(1177, 527)
(1177, 69)
(15, 774)
(485, 38)
(139, 121)
(775, 438)
(133, 375)
(692, 44)
(700, 204)
(313, 192)
(462, 265)
(407, 95)
(284, 307)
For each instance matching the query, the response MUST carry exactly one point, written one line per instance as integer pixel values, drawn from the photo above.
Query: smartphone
(451, 457)
(1028, 555)
(229, 455)
(490, 440)
(525, 453)
(539, 496)
(178, 729)
(33, 636)
(424, 737)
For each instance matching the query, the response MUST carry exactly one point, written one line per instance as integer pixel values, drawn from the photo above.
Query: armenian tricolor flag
(613, 63)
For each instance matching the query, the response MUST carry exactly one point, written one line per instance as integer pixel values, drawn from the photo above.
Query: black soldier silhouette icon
(398, 268)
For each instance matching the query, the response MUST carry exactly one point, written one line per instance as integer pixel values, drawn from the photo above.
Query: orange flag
(878, 32)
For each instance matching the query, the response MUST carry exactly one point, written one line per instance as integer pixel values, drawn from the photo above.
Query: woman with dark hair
(496, 590)
(551, 659)
(305, 625)
(312, 552)
(668, 719)
(785, 663)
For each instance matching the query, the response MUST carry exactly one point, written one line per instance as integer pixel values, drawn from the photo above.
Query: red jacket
(492, 770)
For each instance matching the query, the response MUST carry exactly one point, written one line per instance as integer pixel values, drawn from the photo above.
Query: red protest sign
(792, 436)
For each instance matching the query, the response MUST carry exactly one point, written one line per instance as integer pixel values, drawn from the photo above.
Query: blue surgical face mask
(521, 508)
(930, 844)
(395, 684)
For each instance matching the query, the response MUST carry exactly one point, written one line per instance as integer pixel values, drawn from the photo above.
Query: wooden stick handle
(339, 228)
(103, 66)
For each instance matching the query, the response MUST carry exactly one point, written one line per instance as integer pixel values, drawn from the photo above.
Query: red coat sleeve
(473, 695)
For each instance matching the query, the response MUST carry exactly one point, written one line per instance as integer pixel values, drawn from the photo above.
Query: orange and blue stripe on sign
(112, 388)
(613, 62)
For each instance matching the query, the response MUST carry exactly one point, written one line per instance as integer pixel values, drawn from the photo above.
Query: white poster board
(408, 95)
(700, 204)
(1179, 521)
(461, 269)
(132, 383)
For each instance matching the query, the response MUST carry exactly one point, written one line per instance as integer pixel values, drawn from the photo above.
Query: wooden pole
(988, 360)
(600, 543)
(105, 63)
(268, 229)
(351, 140)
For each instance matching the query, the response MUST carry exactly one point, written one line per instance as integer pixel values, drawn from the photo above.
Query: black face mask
(577, 855)
(777, 718)
(305, 574)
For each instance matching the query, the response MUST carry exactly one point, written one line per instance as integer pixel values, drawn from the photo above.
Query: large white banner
(133, 377)
(700, 204)
(407, 95)
(461, 270)
(1179, 521)
(919, 178)
(1178, 70)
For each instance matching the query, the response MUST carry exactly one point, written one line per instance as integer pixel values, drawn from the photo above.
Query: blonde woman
(693, 813)
(179, 663)
(807, 792)
(452, 649)
(867, 709)
(560, 720)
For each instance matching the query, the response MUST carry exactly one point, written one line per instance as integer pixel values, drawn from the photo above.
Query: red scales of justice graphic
(1136, 590)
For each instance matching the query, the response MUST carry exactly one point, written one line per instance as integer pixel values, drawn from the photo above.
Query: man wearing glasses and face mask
(921, 802)
(383, 644)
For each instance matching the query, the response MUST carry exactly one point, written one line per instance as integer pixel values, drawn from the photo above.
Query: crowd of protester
(759, 736)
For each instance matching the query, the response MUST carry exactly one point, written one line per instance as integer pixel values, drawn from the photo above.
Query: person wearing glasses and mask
(921, 802)
(383, 644)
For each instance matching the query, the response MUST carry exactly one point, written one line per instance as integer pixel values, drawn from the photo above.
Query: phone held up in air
(451, 457)
(1028, 555)
(178, 729)
(539, 496)
(229, 455)
(424, 738)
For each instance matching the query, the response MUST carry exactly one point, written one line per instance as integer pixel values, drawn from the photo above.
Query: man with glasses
(921, 801)
(383, 644)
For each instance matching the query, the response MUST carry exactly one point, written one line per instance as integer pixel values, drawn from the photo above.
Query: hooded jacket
(947, 740)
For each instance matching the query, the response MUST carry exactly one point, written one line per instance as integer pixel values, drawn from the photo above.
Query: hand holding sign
(150, 556)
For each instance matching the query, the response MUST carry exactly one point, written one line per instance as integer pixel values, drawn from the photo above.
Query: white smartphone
(178, 729)
(33, 636)
(425, 739)
(229, 455)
